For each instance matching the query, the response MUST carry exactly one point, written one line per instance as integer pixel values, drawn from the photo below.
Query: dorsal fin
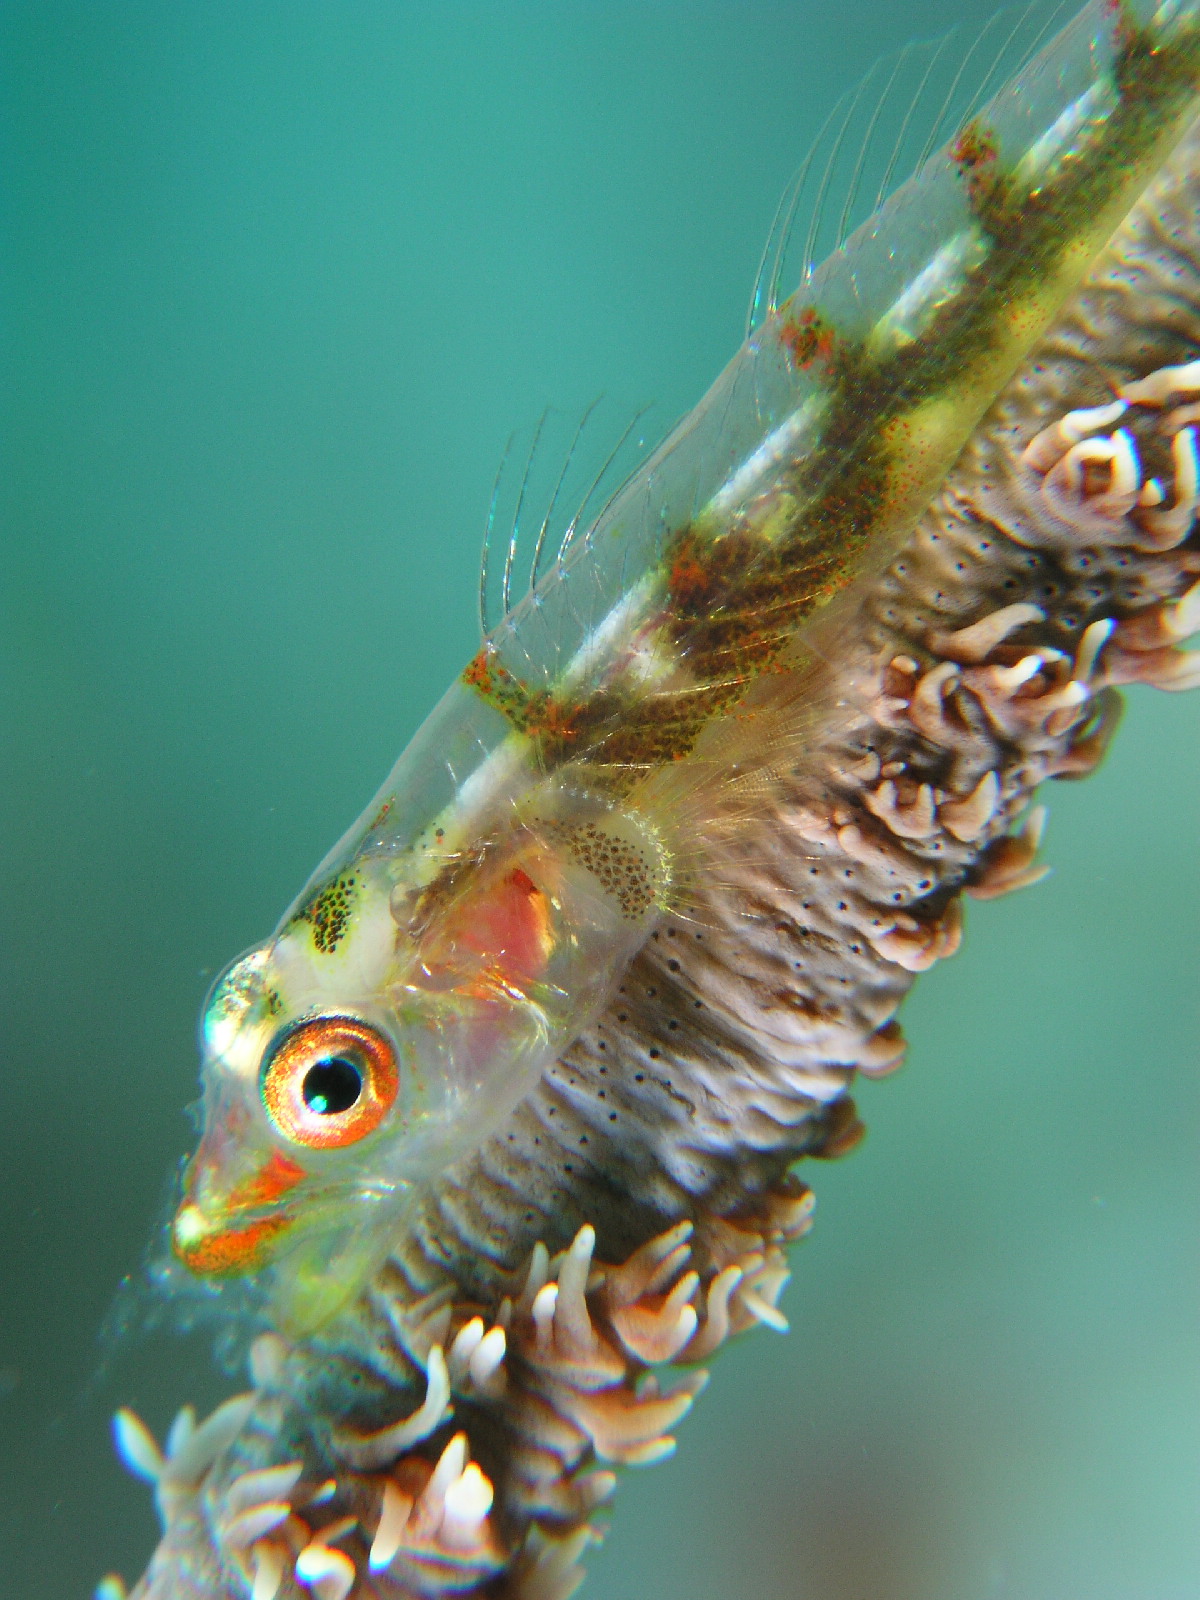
(883, 130)
(569, 474)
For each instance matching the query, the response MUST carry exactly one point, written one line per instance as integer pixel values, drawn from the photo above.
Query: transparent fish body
(554, 805)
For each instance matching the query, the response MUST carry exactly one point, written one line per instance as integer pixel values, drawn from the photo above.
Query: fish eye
(329, 1082)
(332, 1085)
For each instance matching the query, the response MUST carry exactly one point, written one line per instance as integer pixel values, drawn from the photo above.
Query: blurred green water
(278, 281)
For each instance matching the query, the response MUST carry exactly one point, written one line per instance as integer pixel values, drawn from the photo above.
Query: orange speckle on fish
(807, 337)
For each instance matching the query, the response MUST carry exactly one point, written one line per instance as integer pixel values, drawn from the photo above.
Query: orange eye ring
(330, 1082)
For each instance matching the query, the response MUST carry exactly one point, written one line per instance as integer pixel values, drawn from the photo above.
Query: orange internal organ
(510, 927)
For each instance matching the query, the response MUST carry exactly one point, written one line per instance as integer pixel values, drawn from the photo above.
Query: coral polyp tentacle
(377, 1449)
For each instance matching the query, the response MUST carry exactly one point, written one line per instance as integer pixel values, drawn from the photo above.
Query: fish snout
(221, 1231)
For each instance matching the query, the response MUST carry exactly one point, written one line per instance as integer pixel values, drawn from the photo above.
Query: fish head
(383, 1031)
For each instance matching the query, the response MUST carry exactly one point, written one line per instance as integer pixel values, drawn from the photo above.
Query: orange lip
(209, 1246)
(224, 1251)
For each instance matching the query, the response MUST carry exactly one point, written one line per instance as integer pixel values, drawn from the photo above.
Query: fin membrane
(548, 492)
(884, 129)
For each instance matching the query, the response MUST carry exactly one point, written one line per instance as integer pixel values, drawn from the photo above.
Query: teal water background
(278, 281)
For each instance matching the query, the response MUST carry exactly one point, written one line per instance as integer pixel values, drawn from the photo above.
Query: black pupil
(332, 1085)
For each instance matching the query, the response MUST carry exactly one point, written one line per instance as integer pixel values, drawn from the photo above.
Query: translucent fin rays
(883, 130)
(554, 499)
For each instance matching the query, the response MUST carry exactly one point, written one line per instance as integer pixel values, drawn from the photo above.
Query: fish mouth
(217, 1235)
(211, 1248)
